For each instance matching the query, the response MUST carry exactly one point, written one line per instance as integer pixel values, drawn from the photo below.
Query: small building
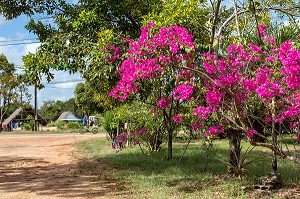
(68, 116)
(14, 120)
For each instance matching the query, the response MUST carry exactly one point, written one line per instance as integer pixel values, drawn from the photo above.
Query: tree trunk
(170, 138)
(274, 139)
(234, 137)
(274, 155)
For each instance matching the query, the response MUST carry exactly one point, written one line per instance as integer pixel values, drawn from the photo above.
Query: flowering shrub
(120, 141)
(115, 53)
(178, 118)
(163, 103)
(141, 127)
(146, 60)
(183, 92)
(265, 73)
(213, 131)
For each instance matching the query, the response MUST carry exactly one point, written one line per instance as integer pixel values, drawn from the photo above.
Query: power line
(57, 87)
(15, 44)
(68, 81)
(12, 40)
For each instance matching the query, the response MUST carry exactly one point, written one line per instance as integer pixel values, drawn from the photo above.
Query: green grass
(59, 131)
(198, 175)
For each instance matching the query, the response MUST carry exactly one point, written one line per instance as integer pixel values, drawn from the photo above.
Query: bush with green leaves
(59, 124)
(139, 118)
(109, 124)
(73, 125)
(29, 126)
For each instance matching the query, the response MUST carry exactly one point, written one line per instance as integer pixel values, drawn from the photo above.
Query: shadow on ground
(18, 174)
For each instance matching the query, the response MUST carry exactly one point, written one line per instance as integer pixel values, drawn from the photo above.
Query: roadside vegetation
(202, 68)
(199, 174)
(59, 131)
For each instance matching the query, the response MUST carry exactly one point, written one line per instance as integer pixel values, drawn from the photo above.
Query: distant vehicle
(88, 129)
(93, 120)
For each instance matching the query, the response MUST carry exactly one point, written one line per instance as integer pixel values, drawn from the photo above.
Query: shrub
(109, 123)
(59, 124)
(142, 126)
(30, 125)
(73, 125)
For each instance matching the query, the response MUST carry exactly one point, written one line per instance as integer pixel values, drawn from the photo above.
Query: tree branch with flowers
(233, 84)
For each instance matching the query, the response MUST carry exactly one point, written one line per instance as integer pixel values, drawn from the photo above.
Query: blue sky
(14, 30)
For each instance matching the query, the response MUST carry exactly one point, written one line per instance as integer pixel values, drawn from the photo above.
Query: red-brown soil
(44, 167)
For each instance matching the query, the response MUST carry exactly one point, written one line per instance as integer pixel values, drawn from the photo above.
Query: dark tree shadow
(62, 180)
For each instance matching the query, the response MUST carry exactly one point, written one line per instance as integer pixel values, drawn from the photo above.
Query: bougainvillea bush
(234, 85)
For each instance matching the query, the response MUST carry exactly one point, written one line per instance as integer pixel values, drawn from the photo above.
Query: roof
(68, 116)
(12, 116)
(30, 111)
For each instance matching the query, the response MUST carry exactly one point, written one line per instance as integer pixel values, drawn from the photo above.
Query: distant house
(68, 116)
(15, 118)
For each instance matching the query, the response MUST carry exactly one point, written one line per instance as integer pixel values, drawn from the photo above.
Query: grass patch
(59, 131)
(198, 175)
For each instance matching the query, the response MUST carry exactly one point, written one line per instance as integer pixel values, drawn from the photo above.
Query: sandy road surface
(42, 167)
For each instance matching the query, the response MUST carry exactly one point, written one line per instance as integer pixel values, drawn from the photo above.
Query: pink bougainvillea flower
(255, 49)
(270, 40)
(262, 30)
(214, 97)
(202, 112)
(196, 126)
(183, 92)
(178, 118)
(268, 119)
(164, 103)
(215, 130)
(298, 137)
(249, 84)
(250, 133)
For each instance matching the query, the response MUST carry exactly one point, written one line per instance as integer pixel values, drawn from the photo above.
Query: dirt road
(43, 167)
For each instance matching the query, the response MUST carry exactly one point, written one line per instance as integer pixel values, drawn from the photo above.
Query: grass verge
(200, 174)
(59, 131)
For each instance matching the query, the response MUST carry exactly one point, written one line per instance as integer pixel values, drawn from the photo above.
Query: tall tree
(84, 99)
(13, 9)
(10, 85)
(51, 110)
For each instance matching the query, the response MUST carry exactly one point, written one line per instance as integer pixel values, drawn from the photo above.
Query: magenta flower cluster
(262, 30)
(163, 103)
(197, 125)
(271, 74)
(150, 55)
(202, 112)
(214, 131)
(251, 133)
(230, 79)
(136, 135)
(183, 92)
(178, 118)
(115, 53)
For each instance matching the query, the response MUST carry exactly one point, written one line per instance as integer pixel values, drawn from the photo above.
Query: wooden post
(35, 108)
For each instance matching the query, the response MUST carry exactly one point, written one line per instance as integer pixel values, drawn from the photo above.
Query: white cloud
(2, 20)
(31, 48)
(12, 53)
(13, 30)
(62, 91)
(65, 85)
(60, 88)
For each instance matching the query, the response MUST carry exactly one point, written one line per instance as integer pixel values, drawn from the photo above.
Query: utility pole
(35, 109)
(22, 106)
